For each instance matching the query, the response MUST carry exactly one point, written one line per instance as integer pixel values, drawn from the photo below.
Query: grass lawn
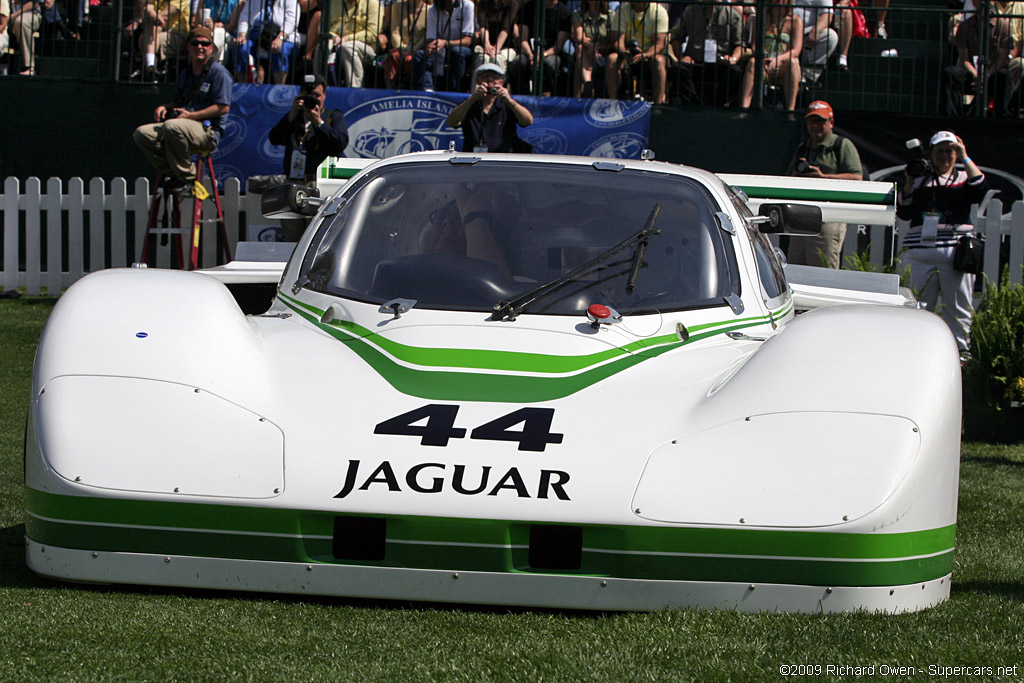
(51, 631)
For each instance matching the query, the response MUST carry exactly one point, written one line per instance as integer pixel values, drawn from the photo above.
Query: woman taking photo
(937, 203)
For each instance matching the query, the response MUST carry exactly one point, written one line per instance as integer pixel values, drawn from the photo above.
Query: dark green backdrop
(65, 129)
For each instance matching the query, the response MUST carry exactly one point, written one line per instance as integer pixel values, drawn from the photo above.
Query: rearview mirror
(290, 201)
(789, 219)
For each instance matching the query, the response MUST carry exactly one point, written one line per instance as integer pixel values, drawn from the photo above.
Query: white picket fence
(53, 235)
(90, 228)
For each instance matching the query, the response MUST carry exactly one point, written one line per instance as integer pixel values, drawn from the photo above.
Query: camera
(168, 115)
(633, 47)
(919, 164)
(493, 90)
(310, 101)
(802, 166)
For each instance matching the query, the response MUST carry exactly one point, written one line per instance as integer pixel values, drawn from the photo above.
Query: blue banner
(383, 123)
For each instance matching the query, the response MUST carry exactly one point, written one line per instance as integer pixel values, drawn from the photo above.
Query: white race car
(520, 380)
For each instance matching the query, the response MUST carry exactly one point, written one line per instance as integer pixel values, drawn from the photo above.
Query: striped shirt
(951, 197)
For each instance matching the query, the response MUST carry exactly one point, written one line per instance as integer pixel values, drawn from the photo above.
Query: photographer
(489, 116)
(936, 198)
(192, 123)
(823, 155)
(310, 133)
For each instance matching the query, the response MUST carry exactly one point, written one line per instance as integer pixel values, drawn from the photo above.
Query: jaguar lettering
(431, 477)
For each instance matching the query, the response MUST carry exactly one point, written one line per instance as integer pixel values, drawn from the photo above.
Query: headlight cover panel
(800, 469)
(133, 434)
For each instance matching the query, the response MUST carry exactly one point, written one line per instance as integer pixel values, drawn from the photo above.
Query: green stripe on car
(648, 552)
(578, 372)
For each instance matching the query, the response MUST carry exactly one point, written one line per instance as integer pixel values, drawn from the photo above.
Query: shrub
(995, 369)
(862, 262)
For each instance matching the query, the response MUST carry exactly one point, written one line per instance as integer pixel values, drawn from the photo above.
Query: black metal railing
(915, 69)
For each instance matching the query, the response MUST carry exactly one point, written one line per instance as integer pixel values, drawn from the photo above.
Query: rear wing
(334, 172)
(841, 201)
(814, 287)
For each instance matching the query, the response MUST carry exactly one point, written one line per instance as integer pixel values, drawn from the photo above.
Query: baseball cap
(488, 67)
(200, 32)
(819, 108)
(942, 136)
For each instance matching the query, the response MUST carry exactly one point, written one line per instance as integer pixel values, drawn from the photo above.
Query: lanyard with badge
(710, 43)
(930, 224)
(194, 92)
(297, 164)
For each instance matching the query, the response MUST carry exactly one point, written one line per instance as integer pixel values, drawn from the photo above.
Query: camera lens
(802, 166)
(919, 167)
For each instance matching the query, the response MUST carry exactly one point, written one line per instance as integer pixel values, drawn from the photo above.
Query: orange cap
(819, 108)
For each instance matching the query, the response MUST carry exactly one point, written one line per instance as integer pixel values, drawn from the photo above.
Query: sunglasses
(200, 43)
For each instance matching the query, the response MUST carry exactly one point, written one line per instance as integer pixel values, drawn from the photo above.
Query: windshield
(468, 236)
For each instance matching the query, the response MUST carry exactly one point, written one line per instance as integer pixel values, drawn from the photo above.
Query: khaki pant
(22, 29)
(502, 57)
(353, 54)
(803, 251)
(169, 146)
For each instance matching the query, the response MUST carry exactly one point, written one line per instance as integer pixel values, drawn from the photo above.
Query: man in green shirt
(823, 155)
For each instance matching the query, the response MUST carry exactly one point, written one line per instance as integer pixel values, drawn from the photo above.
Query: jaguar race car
(522, 380)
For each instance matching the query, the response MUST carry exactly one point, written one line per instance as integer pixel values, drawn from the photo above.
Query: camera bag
(968, 256)
(268, 33)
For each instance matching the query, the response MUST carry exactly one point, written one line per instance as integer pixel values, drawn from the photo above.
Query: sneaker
(882, 33)
(844, 64)
(174, 185)
(144, 75)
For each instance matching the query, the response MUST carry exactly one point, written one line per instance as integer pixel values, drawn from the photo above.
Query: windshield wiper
(513, 307)
(644, 236)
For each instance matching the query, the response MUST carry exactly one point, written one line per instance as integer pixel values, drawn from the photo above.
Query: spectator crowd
(711, 52)
(700, 52)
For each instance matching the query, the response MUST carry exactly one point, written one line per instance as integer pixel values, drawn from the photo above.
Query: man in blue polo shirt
(192, 123)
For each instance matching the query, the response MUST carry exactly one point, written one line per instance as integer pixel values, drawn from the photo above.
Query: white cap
(942, 136)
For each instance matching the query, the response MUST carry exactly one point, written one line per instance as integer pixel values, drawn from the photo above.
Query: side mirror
(290, 201)
(789, 219)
